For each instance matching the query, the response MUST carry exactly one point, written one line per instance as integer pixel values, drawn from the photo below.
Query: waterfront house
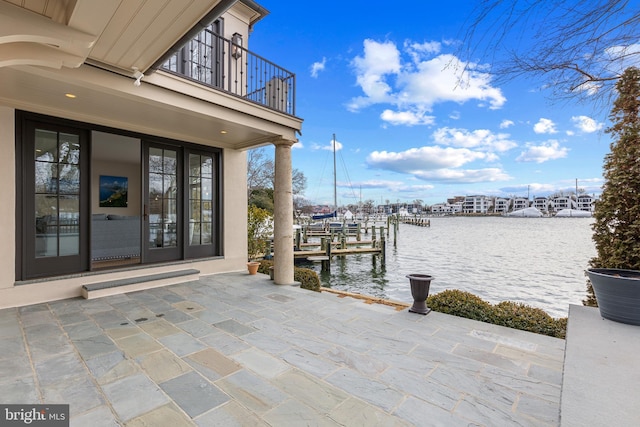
(541, 203)
(562, 202)
(124, 127)
(501, 205)
(476, 204)
(585, 202)
(518, 203)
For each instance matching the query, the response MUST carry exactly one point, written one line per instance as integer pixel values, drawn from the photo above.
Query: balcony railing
(219, 63)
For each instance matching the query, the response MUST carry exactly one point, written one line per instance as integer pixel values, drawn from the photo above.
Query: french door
(55, 180)
(180, 192)
(180, 218)
(163, 195)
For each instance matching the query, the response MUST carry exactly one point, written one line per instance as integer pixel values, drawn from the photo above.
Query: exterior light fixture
(69, 95)
(137, 74)
(236, 45)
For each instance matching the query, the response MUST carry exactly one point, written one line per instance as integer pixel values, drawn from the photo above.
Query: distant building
(541, 203)
(563, 202)
(586, 202)
(501, 205)
(476, 204)
(519, 203)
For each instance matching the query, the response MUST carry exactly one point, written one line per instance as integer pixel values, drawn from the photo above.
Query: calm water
(537, 261)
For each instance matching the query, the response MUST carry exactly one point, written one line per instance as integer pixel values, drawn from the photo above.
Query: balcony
(225, 65)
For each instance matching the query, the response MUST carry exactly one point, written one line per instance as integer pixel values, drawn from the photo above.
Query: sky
(384, 78)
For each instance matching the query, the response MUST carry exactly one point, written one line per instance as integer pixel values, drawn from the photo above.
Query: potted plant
(259, 231)
(614, 274)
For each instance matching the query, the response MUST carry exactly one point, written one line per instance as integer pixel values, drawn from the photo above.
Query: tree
(579, 47)
(261, 177)
(259, 169)
(617, 213)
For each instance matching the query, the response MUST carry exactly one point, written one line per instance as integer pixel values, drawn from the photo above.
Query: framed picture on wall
(113, 191)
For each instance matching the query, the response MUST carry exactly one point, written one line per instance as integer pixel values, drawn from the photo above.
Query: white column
(283, 215)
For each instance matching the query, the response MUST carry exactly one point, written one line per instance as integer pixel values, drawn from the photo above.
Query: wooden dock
(348, 251)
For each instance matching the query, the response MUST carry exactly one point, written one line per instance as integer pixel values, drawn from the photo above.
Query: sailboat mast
(335, 191)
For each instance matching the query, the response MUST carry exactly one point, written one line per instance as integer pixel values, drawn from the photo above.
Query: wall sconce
(236, 45)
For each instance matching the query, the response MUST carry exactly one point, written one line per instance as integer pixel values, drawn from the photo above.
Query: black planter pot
(618, 293)
(420, 284)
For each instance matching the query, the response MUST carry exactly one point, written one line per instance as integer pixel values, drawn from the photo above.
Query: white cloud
(551, 150)
(415, 80)
(379, 60)
(297, 145)
(408, 118)
(622, 57)
(316, 67)
(480, 139)
(414, 160)
(545, 126)
(437, 164)
(455, 115)
(446, 78)
(397, 186)
(328, 147)
(465, 175)
(586, 124)
(506, 124)
(417, 50)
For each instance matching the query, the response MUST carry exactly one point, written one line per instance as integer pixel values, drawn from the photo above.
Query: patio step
(138, 283)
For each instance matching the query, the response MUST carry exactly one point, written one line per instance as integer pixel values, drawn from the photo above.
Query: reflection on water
(536, 261)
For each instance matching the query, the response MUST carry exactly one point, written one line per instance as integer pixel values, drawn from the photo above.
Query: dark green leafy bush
(264, 266)
(460, 303)
(308, 278)
(521, 316)
(616, 229)
(507, 313)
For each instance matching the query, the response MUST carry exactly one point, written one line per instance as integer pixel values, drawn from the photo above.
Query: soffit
(125, 33)
(105, 98)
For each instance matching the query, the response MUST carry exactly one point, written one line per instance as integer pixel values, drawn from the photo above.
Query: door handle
(145, 214)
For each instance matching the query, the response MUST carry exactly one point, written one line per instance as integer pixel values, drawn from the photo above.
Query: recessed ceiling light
(223, 131)
(69, 95)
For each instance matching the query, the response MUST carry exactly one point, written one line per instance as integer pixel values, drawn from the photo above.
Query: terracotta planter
(618, 293)
(420, 284)
(252, 266)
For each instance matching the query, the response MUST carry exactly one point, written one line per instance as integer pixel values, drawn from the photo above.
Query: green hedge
(308, 278)
(507, 313)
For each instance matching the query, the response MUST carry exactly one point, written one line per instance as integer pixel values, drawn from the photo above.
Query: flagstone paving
(233, 349)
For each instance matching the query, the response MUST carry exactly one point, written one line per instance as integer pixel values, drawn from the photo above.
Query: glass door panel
(162, 198)
(200, 204)
(56, 171)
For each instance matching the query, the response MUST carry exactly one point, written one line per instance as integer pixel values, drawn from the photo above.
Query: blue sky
(384, 79)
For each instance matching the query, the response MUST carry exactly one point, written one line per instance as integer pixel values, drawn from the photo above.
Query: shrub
(521, 316)
(507, 313)
(259, 230)
(264, 266)
(460, 303)
(616, 230)
(308, 278)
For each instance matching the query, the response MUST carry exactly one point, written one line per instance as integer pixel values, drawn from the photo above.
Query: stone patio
(237, 350)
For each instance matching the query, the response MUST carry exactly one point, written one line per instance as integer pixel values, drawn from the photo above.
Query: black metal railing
(219, 63)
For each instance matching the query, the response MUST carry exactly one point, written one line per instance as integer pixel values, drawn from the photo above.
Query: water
(536, 261)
